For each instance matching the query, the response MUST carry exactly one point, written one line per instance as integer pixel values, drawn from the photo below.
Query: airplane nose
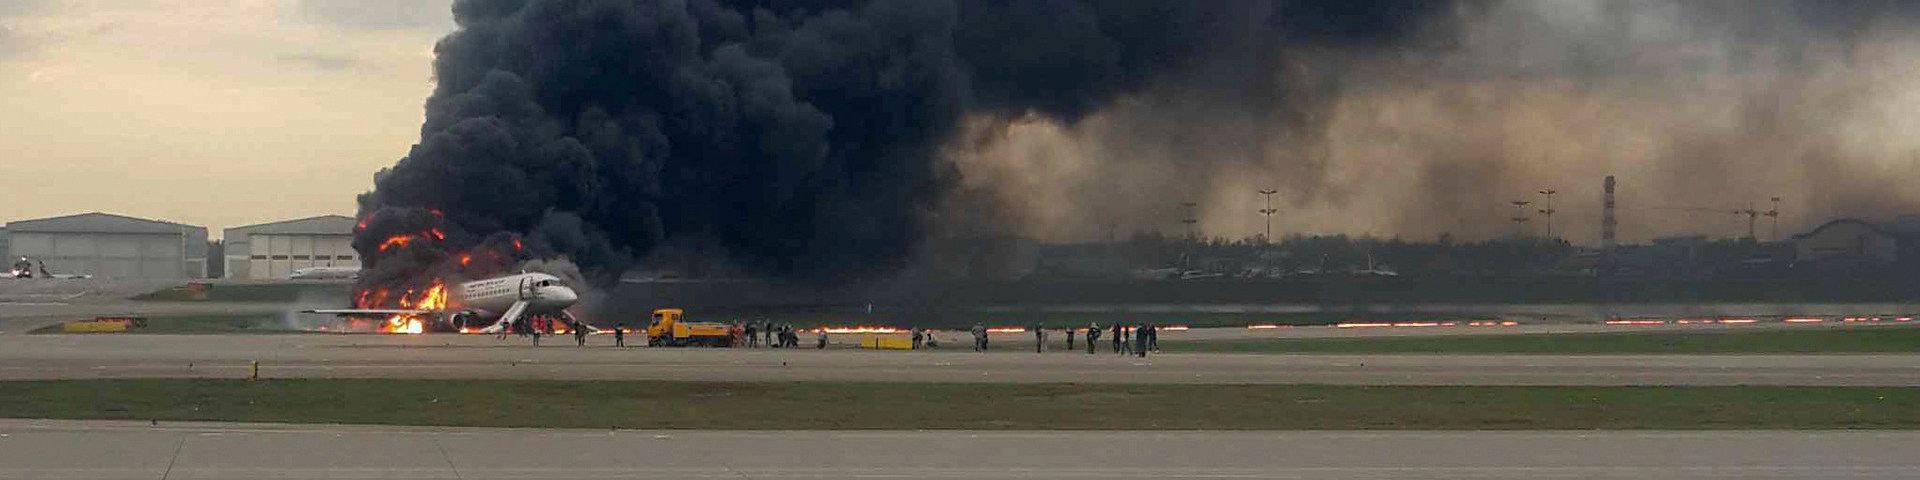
(565, 295)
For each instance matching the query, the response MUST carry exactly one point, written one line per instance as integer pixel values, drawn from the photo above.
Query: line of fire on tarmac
(1623, 322)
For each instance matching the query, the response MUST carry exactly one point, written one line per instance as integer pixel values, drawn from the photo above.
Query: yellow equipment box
(95, 326)
(886, 343)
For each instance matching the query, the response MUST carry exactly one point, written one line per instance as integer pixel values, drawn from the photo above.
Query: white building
(275, 250)
(111, 246)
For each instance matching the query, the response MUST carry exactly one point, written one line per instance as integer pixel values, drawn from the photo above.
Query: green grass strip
(831, 405)
(1812, 340)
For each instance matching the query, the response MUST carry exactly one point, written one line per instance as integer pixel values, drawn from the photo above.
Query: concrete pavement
(41, 449)
(476, 356)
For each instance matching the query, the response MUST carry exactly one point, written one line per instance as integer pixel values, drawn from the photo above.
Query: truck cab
(669, 328)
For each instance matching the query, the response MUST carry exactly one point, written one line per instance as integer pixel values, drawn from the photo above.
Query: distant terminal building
(277, 249)
(105, 245)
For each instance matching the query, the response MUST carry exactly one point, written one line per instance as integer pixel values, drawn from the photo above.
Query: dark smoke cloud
(825, 140)
(806, 139)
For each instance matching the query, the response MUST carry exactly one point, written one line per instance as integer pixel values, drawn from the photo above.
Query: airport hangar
(105, 245)
(276, 249)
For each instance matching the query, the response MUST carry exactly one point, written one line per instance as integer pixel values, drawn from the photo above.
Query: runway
(38, 449)
(24, 357)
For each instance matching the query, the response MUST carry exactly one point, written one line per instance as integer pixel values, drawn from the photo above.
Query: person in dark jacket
(1119, 339)
(620, 335)
(1153, 337)
(1140, 340)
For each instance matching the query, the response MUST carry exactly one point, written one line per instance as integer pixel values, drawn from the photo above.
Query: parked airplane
(496, 302)
(320, 273)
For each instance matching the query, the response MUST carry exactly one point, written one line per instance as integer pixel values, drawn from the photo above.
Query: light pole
(1268, 212)
(1520, 218)
(1189, 220)
(1549, 211)
(1774, 215)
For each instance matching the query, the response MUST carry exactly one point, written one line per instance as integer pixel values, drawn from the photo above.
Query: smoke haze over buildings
(816, 139)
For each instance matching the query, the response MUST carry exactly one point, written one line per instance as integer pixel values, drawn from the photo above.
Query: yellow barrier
(96, 327)
(886, 343)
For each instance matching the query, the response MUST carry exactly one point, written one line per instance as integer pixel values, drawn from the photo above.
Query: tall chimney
(1606, 229)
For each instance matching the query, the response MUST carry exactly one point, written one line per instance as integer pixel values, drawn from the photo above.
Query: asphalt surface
(480, 357)
(37, 449)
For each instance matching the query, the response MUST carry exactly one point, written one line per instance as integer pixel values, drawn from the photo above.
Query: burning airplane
(485, 306)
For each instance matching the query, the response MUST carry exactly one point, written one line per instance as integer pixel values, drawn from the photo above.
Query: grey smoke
(1702, 104)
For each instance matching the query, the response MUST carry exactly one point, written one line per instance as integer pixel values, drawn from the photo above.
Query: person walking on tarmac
(620, 335)
(1153, 337)
(1039, 338)
(753, 335)
(1069, 338)
(979, 337)
(579, 334)
(917, 338)
(1140, 341)
(1093, 337)
(1119, 339)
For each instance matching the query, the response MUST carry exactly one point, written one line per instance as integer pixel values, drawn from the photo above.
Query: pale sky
(217, 113)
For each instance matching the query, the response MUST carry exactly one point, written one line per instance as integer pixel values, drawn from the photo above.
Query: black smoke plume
(802, 139)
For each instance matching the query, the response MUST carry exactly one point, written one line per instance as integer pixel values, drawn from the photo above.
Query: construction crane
(1752, 215)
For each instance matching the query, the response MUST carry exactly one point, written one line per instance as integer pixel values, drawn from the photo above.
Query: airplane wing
(369, 312)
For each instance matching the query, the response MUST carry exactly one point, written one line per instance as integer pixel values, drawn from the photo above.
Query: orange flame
(437, 234)
(396, 241)
(464, 258)
(434, 298)
(860, 329)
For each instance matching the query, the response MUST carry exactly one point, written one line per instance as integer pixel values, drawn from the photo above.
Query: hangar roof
(320, 225)
(97, 222)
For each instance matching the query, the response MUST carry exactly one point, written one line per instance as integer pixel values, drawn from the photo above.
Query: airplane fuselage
(483, 302)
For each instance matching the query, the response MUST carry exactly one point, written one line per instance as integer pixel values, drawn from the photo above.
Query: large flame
(434, 298)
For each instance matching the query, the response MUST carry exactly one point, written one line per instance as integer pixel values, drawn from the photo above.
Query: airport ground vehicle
(670, 328)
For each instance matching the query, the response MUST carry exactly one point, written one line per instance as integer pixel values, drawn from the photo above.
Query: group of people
(774, 335)
(1127, 339)
(924, 339)
(1146, 338)
(536, 326)
(541, 325)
